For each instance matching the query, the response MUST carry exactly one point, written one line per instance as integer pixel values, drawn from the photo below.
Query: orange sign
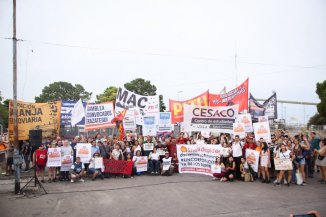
(176, 107)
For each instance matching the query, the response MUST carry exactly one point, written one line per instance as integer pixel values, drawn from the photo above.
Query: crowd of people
(306, 151)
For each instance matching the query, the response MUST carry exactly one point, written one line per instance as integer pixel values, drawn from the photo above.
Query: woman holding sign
(265, 162)
(284, 154)
(218, 169)
(321, 160)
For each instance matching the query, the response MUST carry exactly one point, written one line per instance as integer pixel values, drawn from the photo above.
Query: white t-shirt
(285, 155)
(154, 156)
(138, 148)
(225, 152)
(66, 150)
(237, 149)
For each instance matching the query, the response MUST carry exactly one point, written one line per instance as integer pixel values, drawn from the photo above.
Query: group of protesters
(306, 151)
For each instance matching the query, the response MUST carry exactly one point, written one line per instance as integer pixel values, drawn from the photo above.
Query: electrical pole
(16, 145)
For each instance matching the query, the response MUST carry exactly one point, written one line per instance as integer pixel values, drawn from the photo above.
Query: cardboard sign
(283, 164)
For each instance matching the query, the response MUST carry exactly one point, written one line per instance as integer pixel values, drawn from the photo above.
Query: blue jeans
(154, 166)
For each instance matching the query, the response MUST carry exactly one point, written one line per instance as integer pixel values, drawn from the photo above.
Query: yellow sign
(30, 116)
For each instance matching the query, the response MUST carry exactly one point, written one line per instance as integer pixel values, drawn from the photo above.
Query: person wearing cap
(167, 165)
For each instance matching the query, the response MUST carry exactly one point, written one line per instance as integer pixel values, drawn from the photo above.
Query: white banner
(213, 119)
(197, 158)
(129, 121)
(99, 116)
(143, 105)
(149, 127)
(239, 129)
(141, 165)
(54, 157)
(246, 120)
(66, 162)
(262, 130)
(148, 146)
(83, 150)
(164, 123)
(253, 159)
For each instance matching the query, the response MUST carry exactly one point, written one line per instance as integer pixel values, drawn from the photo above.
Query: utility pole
(16, 145)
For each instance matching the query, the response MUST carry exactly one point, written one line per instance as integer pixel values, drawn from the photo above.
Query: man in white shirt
(237, 154)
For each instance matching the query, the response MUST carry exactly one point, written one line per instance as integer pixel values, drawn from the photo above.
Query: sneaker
(303, 184)
(288, 184)
(71, 180)
(81, 180)
(102, 177)
(275, 181)
(214, 178)
(263, 181)
(285, 182)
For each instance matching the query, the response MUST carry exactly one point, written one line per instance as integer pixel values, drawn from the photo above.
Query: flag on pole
(78, 112)
(223, 91)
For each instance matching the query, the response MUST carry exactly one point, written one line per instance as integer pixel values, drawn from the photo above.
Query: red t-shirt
(181, 140)
(250, 146)
(41, 157)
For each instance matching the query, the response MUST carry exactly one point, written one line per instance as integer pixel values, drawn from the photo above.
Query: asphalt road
(183, 195)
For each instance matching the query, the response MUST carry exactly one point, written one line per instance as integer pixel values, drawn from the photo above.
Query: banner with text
(44, 116)
(164, 123)
(262, 130)
(238, 96)
(66, 109)
(177, 107)
(143, 105)
(203, 118)
(99, 116)
(117, 166)
(197, 158)
(54, 157)
(83, 150)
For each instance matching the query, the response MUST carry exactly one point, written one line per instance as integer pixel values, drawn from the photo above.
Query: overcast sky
(186, 46)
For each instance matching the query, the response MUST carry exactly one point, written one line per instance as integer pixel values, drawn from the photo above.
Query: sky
(184, 47)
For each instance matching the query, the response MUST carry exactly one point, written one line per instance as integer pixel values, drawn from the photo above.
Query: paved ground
(179, 195)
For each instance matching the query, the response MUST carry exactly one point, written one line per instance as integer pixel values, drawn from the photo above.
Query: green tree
(4, 112)
(145, 88)
(109, 94)
(320, 117)
(63, 90)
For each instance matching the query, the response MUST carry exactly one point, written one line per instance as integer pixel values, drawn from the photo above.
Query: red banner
(176, 107)
(238, 95)
(117, 166)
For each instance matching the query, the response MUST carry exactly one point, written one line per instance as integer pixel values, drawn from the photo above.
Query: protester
(218, 168)
(154, 162)
(26, 150)
(93, 170)
(299, 155)
(10, 159)
(168, 162)
(66, 149)
(40, 159)
(265, 162)
(77, 171)
(245, 171)
(135, 159)
(315, 146)
(230, 169)
(284, 153)
(321, 160)
(52, 171)
(237, 154)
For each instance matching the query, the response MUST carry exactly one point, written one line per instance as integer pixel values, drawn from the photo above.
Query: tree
(109, 94)
(4, 112)
(320, 117)
(145, 88)
(63, 90)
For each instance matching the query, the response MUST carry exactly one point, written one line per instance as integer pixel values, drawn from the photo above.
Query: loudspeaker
(35, 138)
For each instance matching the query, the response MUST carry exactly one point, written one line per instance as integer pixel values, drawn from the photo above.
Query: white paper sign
(83, 150)
(148, 146)
(98, 162)
(262, 130)
(246, 120)
(54, 157)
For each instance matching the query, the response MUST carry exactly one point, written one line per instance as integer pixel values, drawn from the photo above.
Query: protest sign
(149, 127)
(83, 150)
(66, 112)
(246, 120)
(216, 169)
(98, 161)
(160, 151)
(270, 106)
(203, 118)
(239, 96)
(44, 116)
(129, 121)
(253, 159)
(197, 158)
(141, 164)
(99, 116)
(66, 162)
(148, 146)
(239, 129)
(54, 157)
(117, 166)
(176, 107)
(262, 130)
(283, 164)
(262, 118)
(143, 105)
(164, 123)
(166, 163)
